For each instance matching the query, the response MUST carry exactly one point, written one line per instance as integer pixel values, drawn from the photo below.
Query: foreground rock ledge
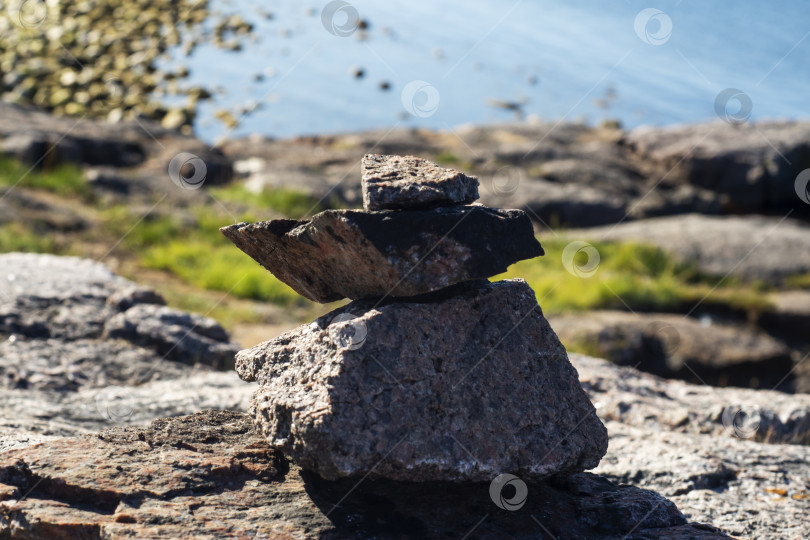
(357, 254)
(461, 388)
(408, 182)
(210, 475)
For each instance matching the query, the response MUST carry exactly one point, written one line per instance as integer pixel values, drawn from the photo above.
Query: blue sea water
(560, 60)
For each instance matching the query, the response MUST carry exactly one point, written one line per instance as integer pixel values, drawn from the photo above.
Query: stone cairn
(431, 372)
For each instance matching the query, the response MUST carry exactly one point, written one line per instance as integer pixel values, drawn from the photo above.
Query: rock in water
(408, 182)
(356, 254)
(461, 388)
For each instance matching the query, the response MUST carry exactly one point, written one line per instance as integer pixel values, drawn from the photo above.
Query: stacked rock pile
(431, 373)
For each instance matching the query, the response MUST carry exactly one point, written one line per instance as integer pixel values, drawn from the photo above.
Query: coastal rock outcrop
(82, 349)
(212, 475)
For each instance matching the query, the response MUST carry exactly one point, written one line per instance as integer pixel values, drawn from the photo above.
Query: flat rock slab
(768, 249)
(82, 349)
(623, 394)
(356, 254)
(748, 489)
(409, 183)
(459, 389)
(90, 311)
(211, 475)
(680, 347)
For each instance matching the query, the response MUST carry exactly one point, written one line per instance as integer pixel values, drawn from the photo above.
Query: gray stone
(408, 182)
(752, 166)
(76, 300)
(50, 296)
(769, 249)
(623, 394)
(461, 388)
(789, 316)
(174, 334)
(748, 489)
(211, 475)
(356, 254)
(736, 458)
(680, 347)
(125, 298)
(61, 374)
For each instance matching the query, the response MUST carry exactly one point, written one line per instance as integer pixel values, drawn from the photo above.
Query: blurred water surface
(573, 60)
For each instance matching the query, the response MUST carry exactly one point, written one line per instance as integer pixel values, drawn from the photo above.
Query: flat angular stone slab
(461, 388)
(356, 254)
(408, 182)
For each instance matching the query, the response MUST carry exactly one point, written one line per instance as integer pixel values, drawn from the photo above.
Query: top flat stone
(357, 254)
(408, 182)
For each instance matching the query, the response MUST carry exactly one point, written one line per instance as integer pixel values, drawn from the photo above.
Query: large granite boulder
(459, 387)
(408, 182)
(357, 254)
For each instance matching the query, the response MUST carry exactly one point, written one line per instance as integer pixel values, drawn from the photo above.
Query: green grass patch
(801, 281)
(446, 158)
(63, 179)
(16, 237)
(287, 202)
(629, 276)
(191, 247)
(221, 268)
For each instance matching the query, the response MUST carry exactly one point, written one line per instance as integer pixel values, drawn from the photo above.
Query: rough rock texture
(179, 336)
(747, 489)
(429, 386)
(41, 139)
(752, 166)
(625, 395)
(210, 475)
(680, 347)
(355, 254)
(85, 307)
(751, 490)
(673, 437)
(408, 182)
(749, 247)
(61, 370)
